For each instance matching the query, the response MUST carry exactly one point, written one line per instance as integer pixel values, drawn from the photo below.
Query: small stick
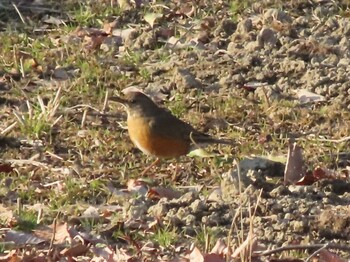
(186, 33)
(19, 13)
(9, 128)
(306, 247)
(53, 233)
(19, 206)
(105, 102)
(316, 252)
(24, 162)
(84, 118)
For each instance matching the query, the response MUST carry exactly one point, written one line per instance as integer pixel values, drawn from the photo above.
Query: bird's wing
(167, 125)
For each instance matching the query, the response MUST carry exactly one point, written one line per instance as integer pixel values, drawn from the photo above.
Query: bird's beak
(119, 100)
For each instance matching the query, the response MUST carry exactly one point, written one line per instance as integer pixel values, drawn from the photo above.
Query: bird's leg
(150, 166)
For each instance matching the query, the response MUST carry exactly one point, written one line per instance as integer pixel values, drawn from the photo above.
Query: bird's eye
(132, 101)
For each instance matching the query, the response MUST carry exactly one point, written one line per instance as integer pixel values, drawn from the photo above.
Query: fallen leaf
(6, 168)
(49, 19)
(294, 170)
(93, 42)
(252, 86)
(215, 195)
(327, 256)
(10, 257)
(307, 179)
(124, 33)
(306, 96)
(200, 152)
(220, 248)
(77, 250)
(166, 33)
(137, 186)
(160, 192)
(108, 254)
(21, 238)
(264, 138)
(150, 18)
(6, 214)
(108, 27)
(62, 235)
(286, 260)
(213, 258)
(196, 255)
(325, 173)
(179, 43)
(207, 23)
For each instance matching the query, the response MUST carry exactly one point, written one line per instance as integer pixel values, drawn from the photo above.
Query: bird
(157, 132)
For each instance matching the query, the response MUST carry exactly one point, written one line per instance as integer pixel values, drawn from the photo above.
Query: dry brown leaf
(196, 255)
(137, 186)
(6, 214)
(108, 254)
(327, 256)
(213, 258)
(325, 173)
(124, 33)
(207, 23)
(65, 233)
(166, 33)
(294, 170)
(10, 257)
(307, 179)
(220, 248)
(286, 260)
(62, 235)
(150, 18)
(94, 42)
(108, 27)
(77, 250)
(160, 192)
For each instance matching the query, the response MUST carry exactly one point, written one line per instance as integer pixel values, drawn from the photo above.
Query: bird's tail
(200, 139)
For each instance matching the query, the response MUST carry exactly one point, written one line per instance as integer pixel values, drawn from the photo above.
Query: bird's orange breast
(154, 142)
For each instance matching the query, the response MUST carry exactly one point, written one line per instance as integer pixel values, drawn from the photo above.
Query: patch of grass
(118, 234)
(40, 118)
(178, 106)
(84, 15)
(27, 221)
(133, 58)
(2, 248)
(145, 74)
(163, 55)
(236, 7)
(206, 238)
(165, 237)
(76, 189)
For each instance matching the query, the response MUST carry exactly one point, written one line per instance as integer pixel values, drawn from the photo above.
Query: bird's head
(136, 103)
